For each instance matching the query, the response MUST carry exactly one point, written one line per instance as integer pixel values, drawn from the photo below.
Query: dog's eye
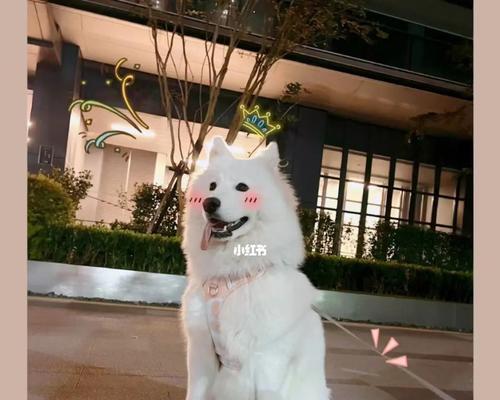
(213, 185)
(242, 187)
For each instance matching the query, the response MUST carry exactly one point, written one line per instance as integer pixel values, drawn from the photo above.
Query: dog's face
(232, 196)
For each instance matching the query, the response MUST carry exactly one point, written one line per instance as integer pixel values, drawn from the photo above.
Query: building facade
(384, 134)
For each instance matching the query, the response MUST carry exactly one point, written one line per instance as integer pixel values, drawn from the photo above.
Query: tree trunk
(164, 202)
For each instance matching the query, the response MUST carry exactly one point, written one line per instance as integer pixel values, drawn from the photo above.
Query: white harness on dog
(216, 291)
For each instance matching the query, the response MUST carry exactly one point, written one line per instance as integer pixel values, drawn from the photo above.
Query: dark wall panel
(54, 88)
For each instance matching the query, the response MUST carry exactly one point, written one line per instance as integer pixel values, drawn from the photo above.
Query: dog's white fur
(268, 325)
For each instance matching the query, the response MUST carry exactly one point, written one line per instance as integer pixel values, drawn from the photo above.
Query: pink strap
(216, 291)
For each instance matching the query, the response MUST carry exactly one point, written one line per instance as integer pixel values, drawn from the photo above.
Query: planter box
(134, 286)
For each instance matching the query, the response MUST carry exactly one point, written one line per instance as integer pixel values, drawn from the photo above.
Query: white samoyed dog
(251, 332)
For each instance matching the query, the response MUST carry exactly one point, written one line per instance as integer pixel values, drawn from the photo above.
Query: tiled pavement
(97, 351)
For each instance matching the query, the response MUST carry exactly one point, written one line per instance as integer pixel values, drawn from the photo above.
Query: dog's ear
(219, 150)
(270, 154)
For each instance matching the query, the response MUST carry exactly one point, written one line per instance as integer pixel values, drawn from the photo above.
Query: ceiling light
(108, 82)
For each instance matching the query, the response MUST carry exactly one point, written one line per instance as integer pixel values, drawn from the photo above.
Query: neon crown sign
(257, 123)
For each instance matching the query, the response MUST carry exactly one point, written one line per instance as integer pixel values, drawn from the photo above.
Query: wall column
(55, 87)
(302, 147)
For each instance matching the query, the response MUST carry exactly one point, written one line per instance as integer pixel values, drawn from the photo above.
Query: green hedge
(102, 247)
(154, 253)
(389, 278)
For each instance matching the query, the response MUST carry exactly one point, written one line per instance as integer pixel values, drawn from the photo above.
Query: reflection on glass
(331, 161)
(426, 175)
(328, 192)
(400, 204)
(423, 207)
(371, 222)
(351, 219)
(449, 179)
(354, 191)
(380, 171)
(356, 164)
(352, 206)
(445, 211)
(376, 200)
(349, 241)
(403, 174)
(329, 203)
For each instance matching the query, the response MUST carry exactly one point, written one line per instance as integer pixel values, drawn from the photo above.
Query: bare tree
(289, 24)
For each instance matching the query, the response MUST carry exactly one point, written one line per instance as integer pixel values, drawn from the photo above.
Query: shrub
(153, 253)
(75, 185)
(417, 245)
(146, 201)
(48, 203)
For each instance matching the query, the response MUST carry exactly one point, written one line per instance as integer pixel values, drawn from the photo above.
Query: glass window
(328, 192)
(354, 191)
(380, 171)
(351, 218)
(400, 204)
(353, 206)
(349, 241)
(426, 175)
(403, 174)
(356, 164)
(371, 222)
(423, 207)
(331, 162)
(376, 200)
(449, 180)
(330, 188)
(445, 211)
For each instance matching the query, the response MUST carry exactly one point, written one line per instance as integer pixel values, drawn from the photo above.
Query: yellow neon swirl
(128, 80)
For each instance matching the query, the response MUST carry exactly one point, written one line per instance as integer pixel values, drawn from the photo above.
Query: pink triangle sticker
(391, 345)
(375, 335)
(399, 361)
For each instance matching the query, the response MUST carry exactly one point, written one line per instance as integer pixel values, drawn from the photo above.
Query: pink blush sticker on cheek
(195, 200)
(251, 200)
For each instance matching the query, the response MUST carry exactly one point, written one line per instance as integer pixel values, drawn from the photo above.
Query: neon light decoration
(258, 123)
(87, 105)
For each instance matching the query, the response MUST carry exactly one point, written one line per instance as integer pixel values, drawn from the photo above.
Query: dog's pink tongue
(207, 232)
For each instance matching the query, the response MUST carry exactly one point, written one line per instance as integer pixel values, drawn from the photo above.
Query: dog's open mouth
(220, 229)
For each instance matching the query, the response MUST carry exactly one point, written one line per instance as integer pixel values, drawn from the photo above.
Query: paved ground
(96, 351)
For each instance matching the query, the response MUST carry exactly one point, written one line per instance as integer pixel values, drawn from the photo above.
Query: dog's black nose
(211, 204)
